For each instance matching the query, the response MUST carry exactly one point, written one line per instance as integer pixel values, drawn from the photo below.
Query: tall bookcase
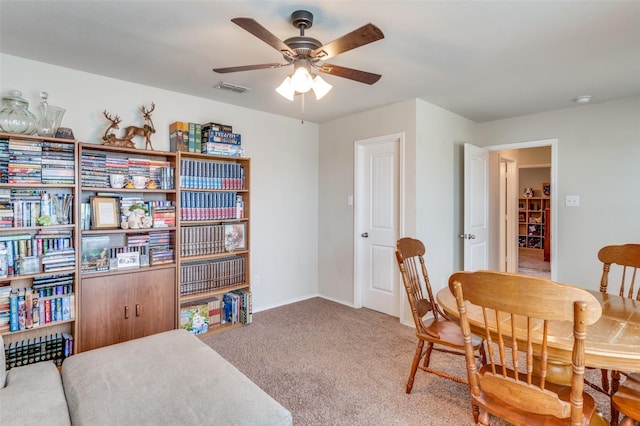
(214, 237)
(38, 228)
(532, 222)
(122, 281)
(127, 266)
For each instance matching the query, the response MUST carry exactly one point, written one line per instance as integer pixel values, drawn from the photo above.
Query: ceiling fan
(306, 53)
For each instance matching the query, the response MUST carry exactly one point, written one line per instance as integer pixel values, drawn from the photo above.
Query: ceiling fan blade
(357, 75)
(356, 38)
(248, 68)
(263, 34)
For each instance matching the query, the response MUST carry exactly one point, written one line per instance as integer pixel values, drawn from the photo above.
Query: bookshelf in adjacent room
(532, 222)
(214, 242)
(38, 248)
(128, 236)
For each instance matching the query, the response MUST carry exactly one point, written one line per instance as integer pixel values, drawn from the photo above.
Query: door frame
(357, 147)
(508, 254)
(553, 143)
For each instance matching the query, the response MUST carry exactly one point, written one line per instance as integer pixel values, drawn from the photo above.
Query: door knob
(468, 236)
(364, 235)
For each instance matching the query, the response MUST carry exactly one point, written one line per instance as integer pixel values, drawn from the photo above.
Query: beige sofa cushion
(33, 395)
(170, 378)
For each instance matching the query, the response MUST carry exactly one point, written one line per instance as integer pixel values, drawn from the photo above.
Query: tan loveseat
(170, 378)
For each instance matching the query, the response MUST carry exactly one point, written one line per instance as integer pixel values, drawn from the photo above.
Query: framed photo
(234, 236)
(546, 189)
(104, 213)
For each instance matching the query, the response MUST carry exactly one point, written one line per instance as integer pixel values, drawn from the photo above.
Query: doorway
(526, 225)
(378, 223)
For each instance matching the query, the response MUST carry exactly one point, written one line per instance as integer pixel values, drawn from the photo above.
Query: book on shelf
(94, 254)
(179, 136)
(195, 318)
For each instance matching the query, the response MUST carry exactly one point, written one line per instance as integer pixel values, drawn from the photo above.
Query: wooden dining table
(612, 343)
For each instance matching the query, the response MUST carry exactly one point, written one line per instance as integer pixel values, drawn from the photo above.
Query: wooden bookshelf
(212, 261)
(32, 212)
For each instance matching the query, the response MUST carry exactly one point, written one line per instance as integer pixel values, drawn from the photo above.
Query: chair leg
(605, 380)
(427, 355)
(615, 383)
(414, 365)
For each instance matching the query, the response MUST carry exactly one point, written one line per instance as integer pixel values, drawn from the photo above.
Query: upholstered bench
(170, 378)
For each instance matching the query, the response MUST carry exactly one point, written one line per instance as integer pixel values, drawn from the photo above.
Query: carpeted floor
(531, 262)
(330, 364)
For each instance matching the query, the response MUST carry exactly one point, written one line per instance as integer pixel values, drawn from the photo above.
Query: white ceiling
(484, 60)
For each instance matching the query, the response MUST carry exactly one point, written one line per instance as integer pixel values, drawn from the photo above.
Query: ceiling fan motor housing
(302, 19)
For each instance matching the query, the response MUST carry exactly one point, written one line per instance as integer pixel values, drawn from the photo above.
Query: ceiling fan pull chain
(302, 118)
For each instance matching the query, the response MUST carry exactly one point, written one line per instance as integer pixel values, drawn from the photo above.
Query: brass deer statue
(110, 139)
(147, 130)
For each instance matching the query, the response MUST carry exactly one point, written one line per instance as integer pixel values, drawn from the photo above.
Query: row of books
(95, 168)
(200, 316)
(36, 162)
(202, 240)
(196, 205)
(53, 347)
(32, 207)
(153, 248)
(237, 308)
(204, 276)
(25, 254)
(28, 308)
(207, 138)
(200, 174)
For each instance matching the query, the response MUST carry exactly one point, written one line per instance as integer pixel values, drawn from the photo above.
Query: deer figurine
(147, 130)
(110, 139)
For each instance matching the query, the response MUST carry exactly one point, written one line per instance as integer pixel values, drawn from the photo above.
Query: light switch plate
(572, 200)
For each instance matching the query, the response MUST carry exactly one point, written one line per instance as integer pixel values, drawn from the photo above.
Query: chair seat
(519, 415)
(446, 332)
(627, 398)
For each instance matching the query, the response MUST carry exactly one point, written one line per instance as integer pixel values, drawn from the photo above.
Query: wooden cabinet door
(103, 309)
(154, 302)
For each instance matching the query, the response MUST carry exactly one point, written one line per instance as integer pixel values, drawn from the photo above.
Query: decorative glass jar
(50, 117)
(15, 116)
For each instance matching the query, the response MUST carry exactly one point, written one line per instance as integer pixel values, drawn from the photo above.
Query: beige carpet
(333, 365)
(531, 262)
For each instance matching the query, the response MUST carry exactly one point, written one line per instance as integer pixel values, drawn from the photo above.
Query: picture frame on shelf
(104, 213)
(234, 236)
(546, 189)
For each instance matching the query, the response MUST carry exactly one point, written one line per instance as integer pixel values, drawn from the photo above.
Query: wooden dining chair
(436, 330)
(625, 259)
(626, 400)
(517, 314)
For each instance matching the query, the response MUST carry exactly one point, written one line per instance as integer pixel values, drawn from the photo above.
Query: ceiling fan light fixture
(320, 87)
(301, 80)
(286, 89)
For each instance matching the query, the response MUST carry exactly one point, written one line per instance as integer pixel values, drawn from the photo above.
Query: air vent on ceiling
(232, 87)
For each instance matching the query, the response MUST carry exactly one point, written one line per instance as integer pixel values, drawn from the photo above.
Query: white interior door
(476, 208)
(377, 223)
(508, 215)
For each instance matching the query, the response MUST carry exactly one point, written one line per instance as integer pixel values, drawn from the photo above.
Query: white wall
(284, 161)
(440, 188)
(432, 182)
(598, 154)
(336, 180)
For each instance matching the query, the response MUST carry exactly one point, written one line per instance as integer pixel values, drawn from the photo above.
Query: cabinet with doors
(532, 222)
(128, 237)
(214, 236)
(38, 248)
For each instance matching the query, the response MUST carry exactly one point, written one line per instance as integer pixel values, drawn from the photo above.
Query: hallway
(531, 262)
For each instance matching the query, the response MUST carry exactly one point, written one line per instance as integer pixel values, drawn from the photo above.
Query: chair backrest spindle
(628, 257)
(517, 315)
